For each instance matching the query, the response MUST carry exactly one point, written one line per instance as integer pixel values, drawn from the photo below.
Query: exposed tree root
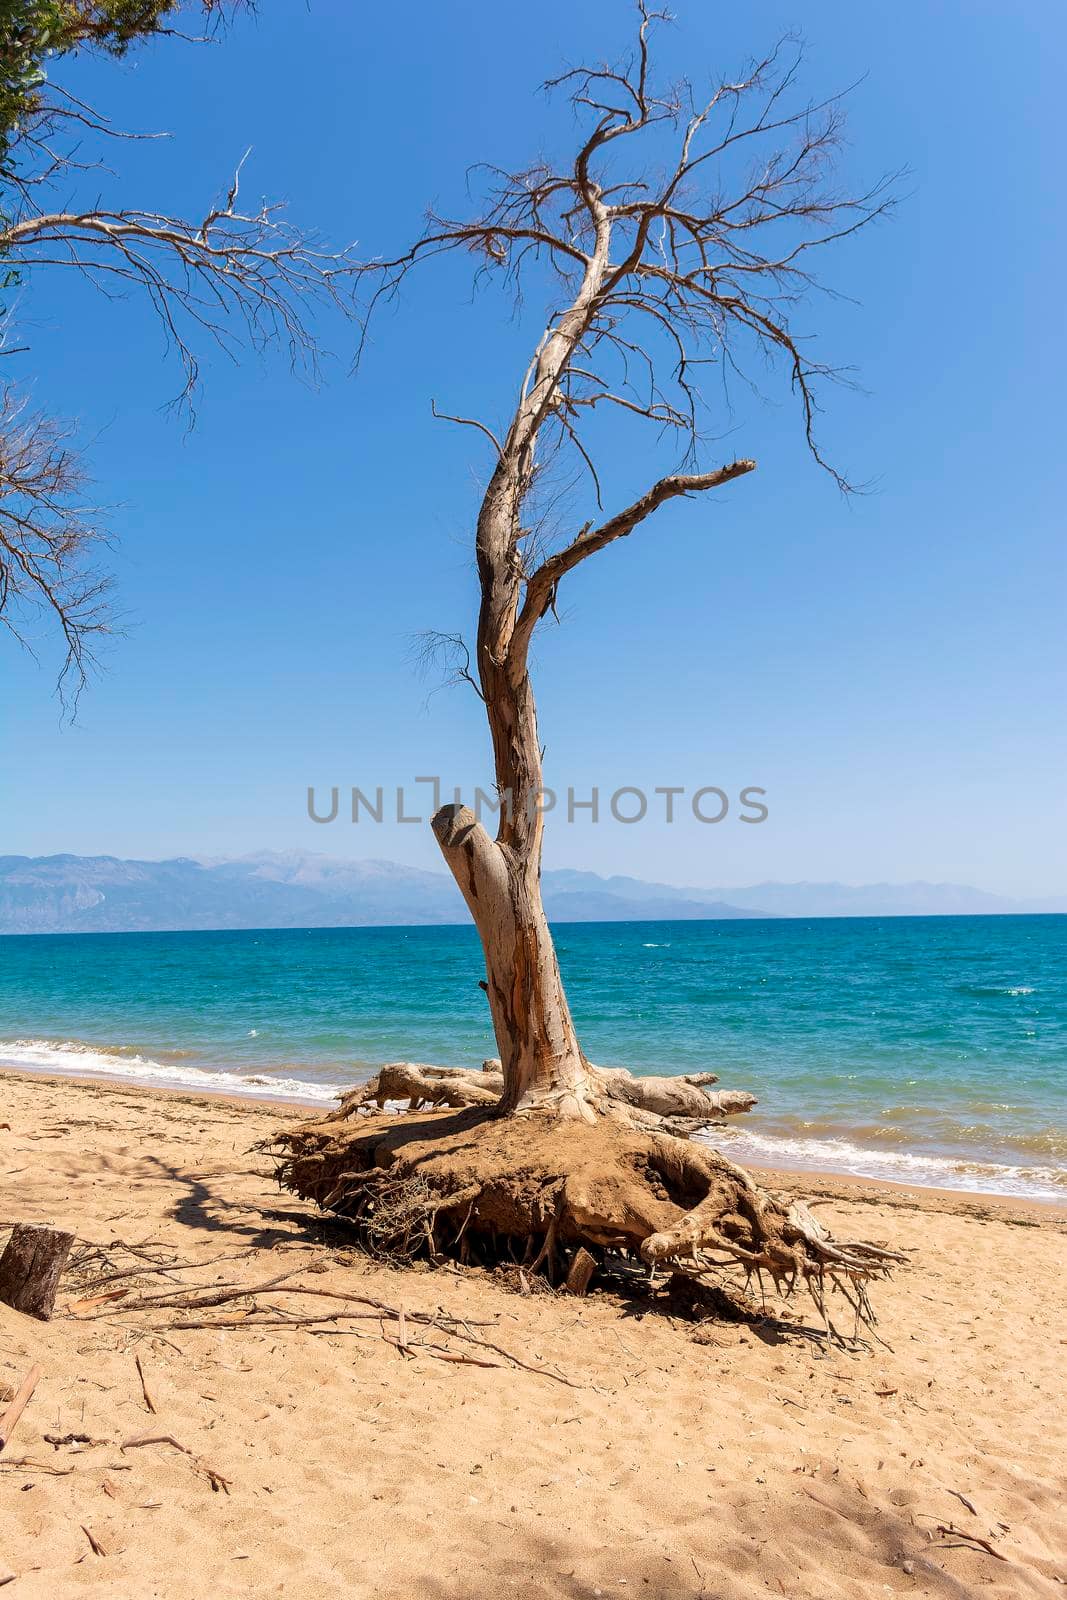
(674, 1105)
(472, 1185)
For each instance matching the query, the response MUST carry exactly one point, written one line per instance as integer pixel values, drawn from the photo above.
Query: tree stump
(31, 1266)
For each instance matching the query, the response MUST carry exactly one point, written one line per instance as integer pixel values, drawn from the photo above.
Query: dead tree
(658, 272)
(678, 241)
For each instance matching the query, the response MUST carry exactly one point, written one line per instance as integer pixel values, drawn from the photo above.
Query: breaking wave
(927, 1171)
(76, 1059)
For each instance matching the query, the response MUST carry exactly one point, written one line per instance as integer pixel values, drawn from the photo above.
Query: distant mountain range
(298, 889)
(824, 899)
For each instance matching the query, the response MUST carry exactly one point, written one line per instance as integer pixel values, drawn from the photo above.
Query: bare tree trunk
(543, 1065)
(542, 1061)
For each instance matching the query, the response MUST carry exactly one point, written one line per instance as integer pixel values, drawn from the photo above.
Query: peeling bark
(542, 1064)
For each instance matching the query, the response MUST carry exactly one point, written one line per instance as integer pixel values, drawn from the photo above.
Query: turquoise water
(928, 1049)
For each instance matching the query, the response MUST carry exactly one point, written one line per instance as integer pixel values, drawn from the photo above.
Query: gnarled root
(471, 1184)
(675, 1105)
(421, 1086)
(737, 1221)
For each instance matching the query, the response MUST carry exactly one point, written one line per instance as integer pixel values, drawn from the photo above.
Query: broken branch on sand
(9, 1419)
(215, 1478)
(949, 1530)
(372, 1309)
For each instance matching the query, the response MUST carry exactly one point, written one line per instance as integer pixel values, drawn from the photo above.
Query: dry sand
(723, 1462)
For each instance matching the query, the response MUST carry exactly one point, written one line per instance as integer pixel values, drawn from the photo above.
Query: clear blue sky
(891, 669)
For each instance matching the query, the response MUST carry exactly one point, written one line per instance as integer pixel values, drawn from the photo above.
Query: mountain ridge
(66, 893)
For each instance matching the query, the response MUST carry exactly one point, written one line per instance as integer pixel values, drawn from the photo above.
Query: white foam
(73, 1058)
(924, 1171)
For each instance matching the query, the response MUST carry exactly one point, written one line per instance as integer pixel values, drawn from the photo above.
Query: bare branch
(659, 271)
(239, 275)
(541, 585)
(48, 542)
(448, 653)
(467, 422)
(234, 271)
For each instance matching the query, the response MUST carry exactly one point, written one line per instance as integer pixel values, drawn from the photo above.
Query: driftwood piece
(31, 1267)
(582, 1268)
(9, 1419)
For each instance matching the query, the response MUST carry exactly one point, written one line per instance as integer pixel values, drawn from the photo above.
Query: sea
(925, 1050)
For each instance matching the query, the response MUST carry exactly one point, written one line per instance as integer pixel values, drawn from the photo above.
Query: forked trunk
(543, 1065)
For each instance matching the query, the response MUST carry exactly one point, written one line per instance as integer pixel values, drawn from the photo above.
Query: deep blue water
(933, 1049)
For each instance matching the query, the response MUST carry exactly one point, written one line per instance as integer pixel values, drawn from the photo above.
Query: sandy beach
(389, 1455)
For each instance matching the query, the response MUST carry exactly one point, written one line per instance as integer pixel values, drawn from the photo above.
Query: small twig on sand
(215, 1478)
(951, 1531)
(28, 1464)
(144, 1270)
(149, 1402)
(538, 1372)
(94, 1544)
(178, 1299)
(454, 1355)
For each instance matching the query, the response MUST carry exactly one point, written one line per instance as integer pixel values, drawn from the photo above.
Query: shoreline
(822, 1182)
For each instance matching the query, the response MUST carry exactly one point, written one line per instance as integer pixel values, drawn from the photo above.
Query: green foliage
(34, 31)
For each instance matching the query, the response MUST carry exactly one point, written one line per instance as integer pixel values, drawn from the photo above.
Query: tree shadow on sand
(203, 1209)
(754, 1542)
